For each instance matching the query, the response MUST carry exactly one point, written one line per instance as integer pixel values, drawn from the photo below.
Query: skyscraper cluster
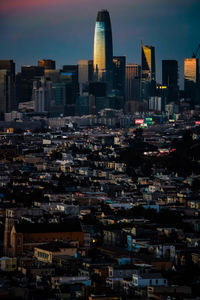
(107, 81)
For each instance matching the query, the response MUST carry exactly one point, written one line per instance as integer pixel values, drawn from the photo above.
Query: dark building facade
(119, 73)
(170, 78)
(133, 76)
(7, 86)
(70, 81)
(103, 49)
(148, 72)
(97, 89)
(8, 65)
(25, 80)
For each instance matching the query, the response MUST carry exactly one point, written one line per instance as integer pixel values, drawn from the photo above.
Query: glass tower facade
(119, 74)
(103, 49)
(191, 80)
(133, 75)
(148, 75)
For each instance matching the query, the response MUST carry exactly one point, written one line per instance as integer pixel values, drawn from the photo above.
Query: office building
(85, 74)
(85, 71)
(191, 80)
(97, 89)
(148, 72)
(52, 75)
(170, 78)
(8, 92)
(156, 104)
(70, 81)
(42, 95)
(119, 73)
(47, 64)
(103, 49)
(25, 80)
(82, 105)
(133, 74)
(8, 65)
(72, 70)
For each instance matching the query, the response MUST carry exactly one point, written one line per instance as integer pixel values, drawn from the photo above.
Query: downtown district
(99, 178)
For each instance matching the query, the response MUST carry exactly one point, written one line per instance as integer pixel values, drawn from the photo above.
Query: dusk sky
(63, 29)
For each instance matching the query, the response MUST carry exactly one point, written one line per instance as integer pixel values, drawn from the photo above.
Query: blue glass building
(103, 49)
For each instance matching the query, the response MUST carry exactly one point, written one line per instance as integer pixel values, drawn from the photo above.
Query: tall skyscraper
(70, 81)
(7, 86)
(72, 70)
(119, 72)
(191, 80)
(6, 92)
(103, 49)
(47, 64)
(148, 75)
(170, 78)
(133, 74)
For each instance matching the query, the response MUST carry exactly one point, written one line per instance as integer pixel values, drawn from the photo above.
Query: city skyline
(36, 30)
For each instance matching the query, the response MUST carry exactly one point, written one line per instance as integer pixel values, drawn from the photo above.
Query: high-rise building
(7, 94)
(72, 70)
(25, 81)
(191, 80)
(170, 78)
(85, 71)
(103, 49)
(8, 65)
(156, 104)
(148, 73)
(133, 74)
(52, 75)
(148, 62)
(97, 89)
(58, 104)
(70, 81)
(42, 95)
(85, 74)
(119, 73)
(48, 64)
(170, 72)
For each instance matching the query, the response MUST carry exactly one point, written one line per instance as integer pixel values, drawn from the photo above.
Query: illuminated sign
(66, 74)
(139, 121)
(161, 87)
(197, 122)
